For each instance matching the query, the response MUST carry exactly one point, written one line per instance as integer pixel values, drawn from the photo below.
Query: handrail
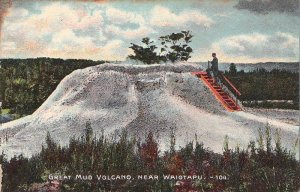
(217, 95)
(233, 87)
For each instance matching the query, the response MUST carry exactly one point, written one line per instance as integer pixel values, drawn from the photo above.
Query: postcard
(140, 95)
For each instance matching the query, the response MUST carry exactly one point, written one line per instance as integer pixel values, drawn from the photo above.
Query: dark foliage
(232, 69)
(174, 47)
(145, 53)
(261, 167)
(262, 85)
(26, 83)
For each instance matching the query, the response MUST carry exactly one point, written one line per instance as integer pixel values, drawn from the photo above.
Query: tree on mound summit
(174, 47)
(145, 53)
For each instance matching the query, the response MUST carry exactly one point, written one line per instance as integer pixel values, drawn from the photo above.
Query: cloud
(265, 6)
(142, 31)
(8, 46)
(59, 30)
(117, 16)
(117, 19)
(163, 17)
(57, 27)
(93, 31)
(4, 6)
(258, 45)
(66, 39)
(51, 19)
(114, 50)
(253, 48)
(66, 44)
(58, 15)
(86, 49)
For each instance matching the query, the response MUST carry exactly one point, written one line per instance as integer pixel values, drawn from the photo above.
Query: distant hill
(288, 66)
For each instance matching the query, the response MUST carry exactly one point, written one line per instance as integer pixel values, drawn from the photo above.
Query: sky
(103, 30)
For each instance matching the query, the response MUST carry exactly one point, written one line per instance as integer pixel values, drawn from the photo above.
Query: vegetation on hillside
(26, 83)
(260, 85)
(262, 167)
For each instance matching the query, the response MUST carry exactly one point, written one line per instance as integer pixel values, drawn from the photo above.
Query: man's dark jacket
(214, 64)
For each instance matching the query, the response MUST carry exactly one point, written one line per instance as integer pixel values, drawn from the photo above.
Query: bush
(260, 167)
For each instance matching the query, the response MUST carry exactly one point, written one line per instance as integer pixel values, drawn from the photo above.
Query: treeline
(263, 85)
(26, 83)
(260, 167)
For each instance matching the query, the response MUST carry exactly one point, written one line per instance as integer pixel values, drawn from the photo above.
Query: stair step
(227, 101)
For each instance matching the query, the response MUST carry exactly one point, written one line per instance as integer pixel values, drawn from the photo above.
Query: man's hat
(214, 54)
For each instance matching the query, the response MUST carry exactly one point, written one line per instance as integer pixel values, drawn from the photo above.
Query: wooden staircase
(222, 96)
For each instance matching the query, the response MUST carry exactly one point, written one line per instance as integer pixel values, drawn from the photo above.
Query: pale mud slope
(157, 98)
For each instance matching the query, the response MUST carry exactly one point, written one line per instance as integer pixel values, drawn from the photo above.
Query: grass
(5, 111)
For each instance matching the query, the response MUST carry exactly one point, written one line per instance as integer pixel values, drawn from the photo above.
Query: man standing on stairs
(214, 68)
